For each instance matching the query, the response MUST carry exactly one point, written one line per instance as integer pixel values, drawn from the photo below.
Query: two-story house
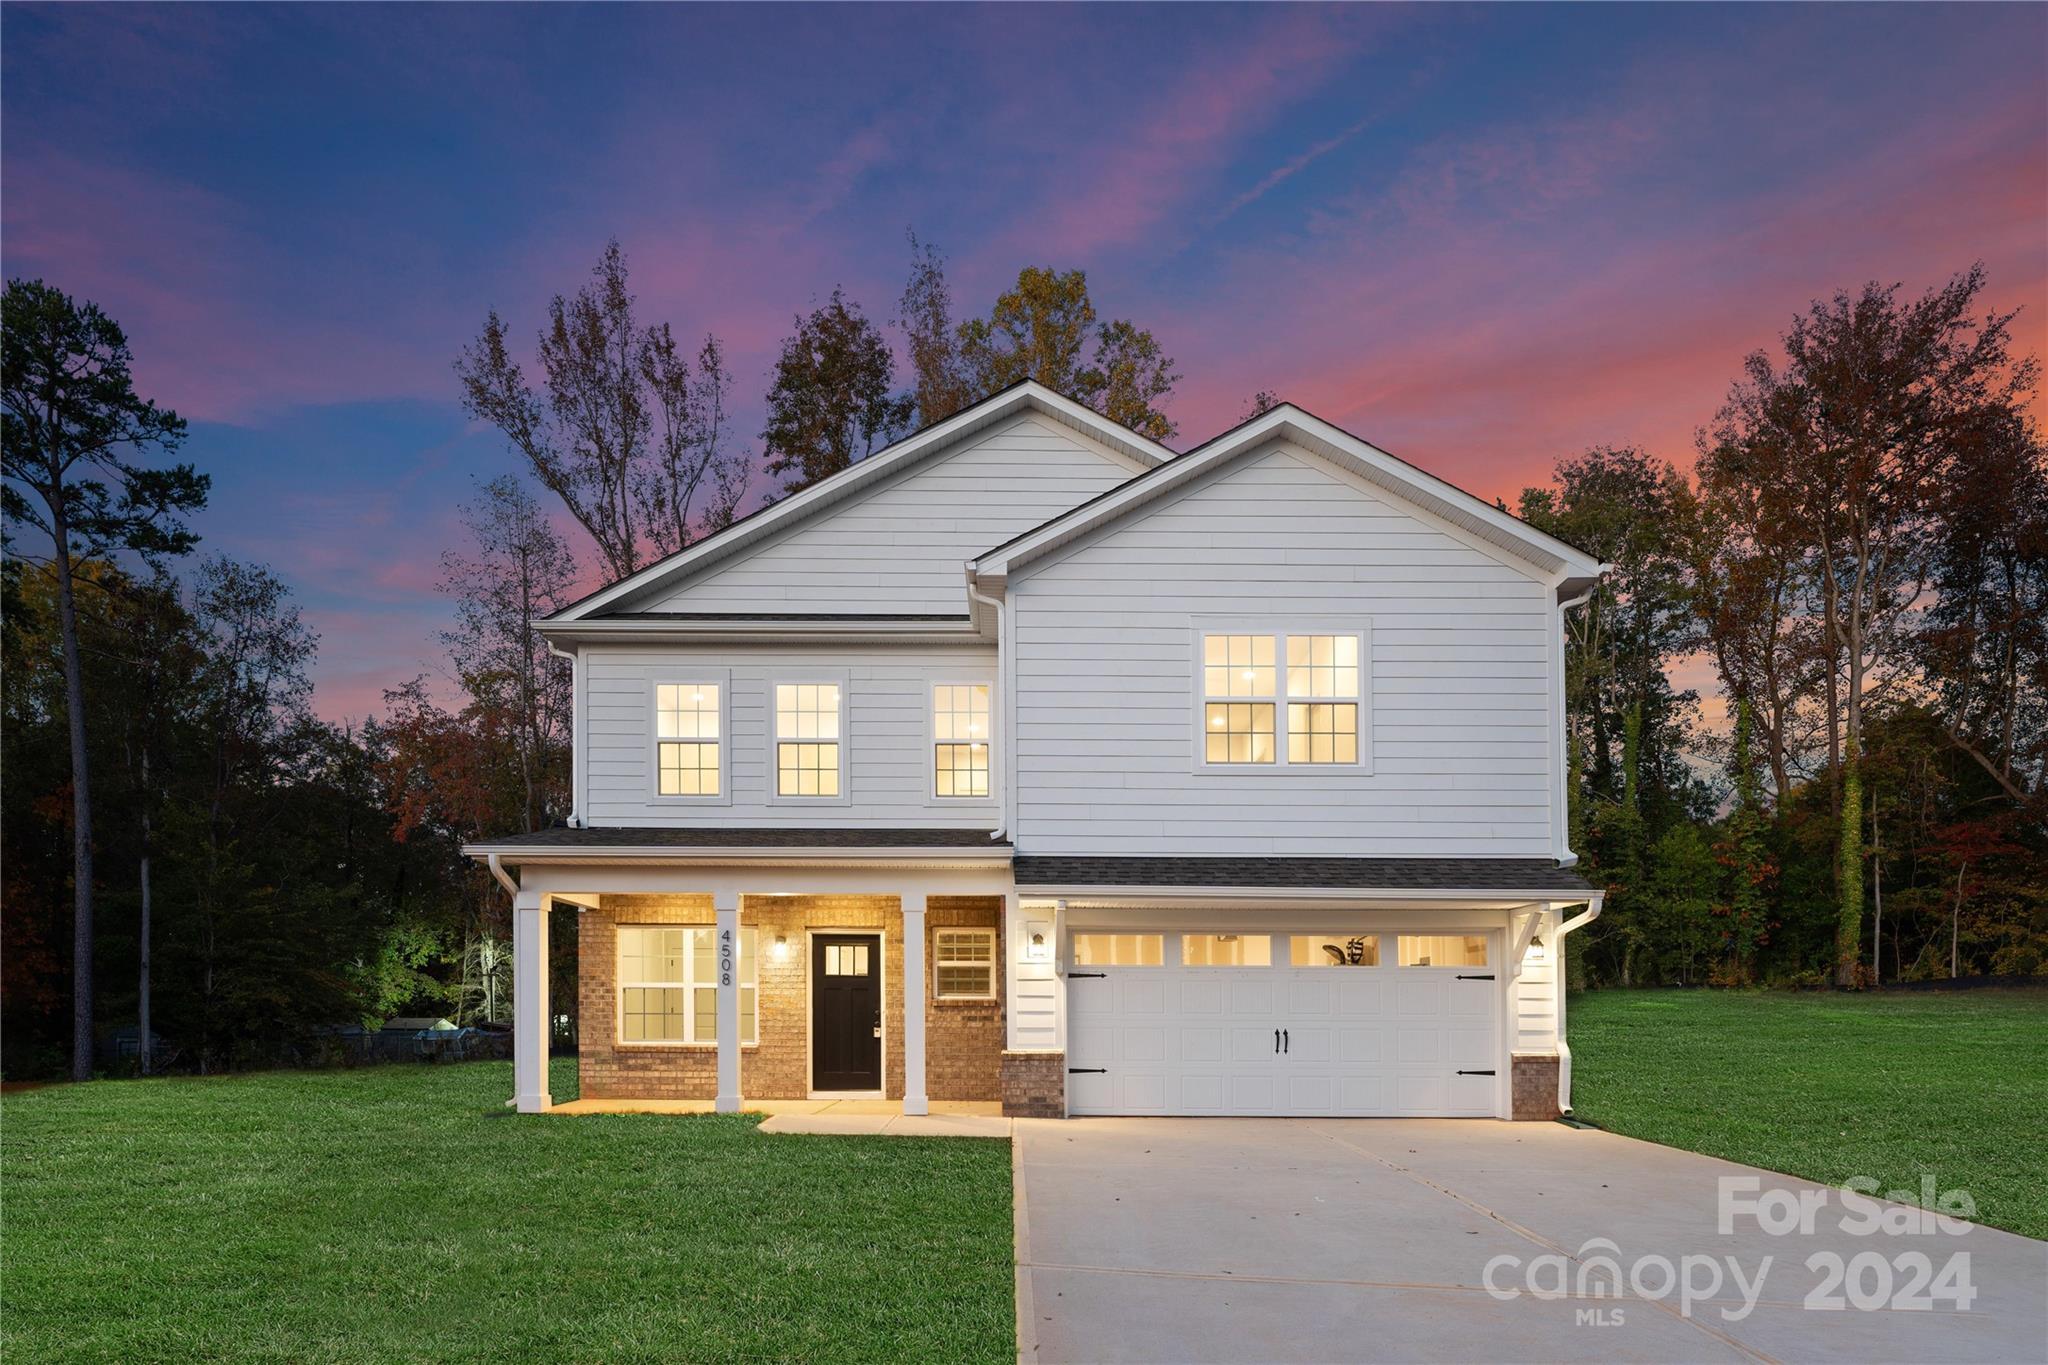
(1029, 761)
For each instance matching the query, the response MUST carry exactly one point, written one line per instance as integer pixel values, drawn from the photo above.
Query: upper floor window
(1285, 699)
(808, 752)
(960, 739)
(687, 741)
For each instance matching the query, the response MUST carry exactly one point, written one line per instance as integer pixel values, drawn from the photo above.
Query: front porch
(826, 994)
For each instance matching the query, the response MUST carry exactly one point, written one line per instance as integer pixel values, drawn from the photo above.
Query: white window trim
(1279, 629)
(704, 677)
(931, 746)
(773, 775)
(620, 985)
(994, 962)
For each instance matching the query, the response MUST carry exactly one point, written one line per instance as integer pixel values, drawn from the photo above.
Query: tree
(1042, 329)
(625, 437)
(925, 313)
(1258, 405)
(72, 430)
(830, 404)
(517, 571)
(1852, 436)
(1746, 856)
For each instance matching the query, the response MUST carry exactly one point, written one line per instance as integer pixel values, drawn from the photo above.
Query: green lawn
(401, 1212)
(1831, 1086)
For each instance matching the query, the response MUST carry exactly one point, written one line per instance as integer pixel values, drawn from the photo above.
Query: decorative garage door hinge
(1475, 1073)
(1087, 1071)
(1076, 976)
(1488, 976)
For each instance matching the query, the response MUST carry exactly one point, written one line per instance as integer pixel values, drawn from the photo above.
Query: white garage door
(1364, 1025)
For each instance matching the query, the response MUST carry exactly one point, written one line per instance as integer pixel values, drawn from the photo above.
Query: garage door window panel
(1334, 950)
(1119, 950)
(1226, 950)
(1443, 950)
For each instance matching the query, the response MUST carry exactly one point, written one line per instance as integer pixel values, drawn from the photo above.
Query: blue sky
(1483, 237)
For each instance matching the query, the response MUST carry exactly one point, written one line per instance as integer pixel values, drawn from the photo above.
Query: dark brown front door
(846, 1012)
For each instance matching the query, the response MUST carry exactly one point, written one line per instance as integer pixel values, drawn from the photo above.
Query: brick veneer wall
(962, 1041)
(1035, 1085)
(1534, 1078)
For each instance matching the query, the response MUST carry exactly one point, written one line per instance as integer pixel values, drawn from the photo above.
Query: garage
(1362, 1024)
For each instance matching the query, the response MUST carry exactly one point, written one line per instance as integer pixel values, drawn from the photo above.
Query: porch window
(1443, 950)
(960, 739)
(807, 749)
(687, 748)
(668, 984)
(964, 964)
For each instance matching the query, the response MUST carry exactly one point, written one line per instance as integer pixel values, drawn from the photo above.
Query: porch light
(1037, 942)
(1536, 949)
(781, 950)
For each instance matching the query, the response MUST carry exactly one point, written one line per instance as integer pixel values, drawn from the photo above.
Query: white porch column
(532, 1028)
(914, 1101)
(727, 906)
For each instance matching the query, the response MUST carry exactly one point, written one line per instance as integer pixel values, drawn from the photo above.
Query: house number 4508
(725, 957)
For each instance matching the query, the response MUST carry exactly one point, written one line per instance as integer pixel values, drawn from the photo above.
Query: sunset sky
(1482, 238)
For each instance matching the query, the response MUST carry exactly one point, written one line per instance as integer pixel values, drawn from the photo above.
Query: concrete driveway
(1192, 1240)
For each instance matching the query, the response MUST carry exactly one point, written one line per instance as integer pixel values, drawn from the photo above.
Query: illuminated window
(1334, 950)
(1235, 666)
(686, 739)
(964, 964)
(960, 739)
(668, 985)
(1226, 950)
(1443, 950)
(1119, 950)
(807, 747)
(1306, 711)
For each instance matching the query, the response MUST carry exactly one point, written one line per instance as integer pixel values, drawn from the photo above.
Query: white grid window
(964, 964)
(960, 739)
(668, 985)
(1238, 666)
(1306, 712)
(807, 750)
(686, 727)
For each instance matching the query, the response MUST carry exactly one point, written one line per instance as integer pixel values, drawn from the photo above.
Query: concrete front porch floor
(1193, 1240)
(948, 1118)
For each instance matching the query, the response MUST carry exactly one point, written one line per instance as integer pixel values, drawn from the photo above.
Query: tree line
(1859, 556)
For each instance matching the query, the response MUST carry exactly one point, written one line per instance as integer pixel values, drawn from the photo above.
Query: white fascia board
(1445, 501)
(1142, 452)
(1485, 899)
(949, 857)
(656, 630)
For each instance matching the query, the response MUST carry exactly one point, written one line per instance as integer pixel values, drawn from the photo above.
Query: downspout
(1003, 678)
(575, 729)
(498, 871)
(1564, 1049)
(1567, 857)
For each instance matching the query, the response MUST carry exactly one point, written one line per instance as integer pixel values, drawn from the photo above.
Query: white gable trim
(1122, 444)
(1551, 559)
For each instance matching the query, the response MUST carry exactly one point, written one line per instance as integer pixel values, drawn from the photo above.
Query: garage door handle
(1087, 1071)
(1487, 977)
(1276, 1042)
(1286, 1041)
(1475, 1073)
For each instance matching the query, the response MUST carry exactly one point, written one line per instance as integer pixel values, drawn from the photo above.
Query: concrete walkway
(1194, 1240)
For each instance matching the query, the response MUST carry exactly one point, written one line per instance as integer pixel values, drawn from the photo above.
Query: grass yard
(401, 1212)
(1828, 1086)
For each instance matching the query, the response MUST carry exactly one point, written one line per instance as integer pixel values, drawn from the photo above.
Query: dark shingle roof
(783, 836)
(1379, 874)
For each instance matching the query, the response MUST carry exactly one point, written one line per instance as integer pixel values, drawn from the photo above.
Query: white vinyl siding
(1456, 705)
(900, 547)
(886, 753)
